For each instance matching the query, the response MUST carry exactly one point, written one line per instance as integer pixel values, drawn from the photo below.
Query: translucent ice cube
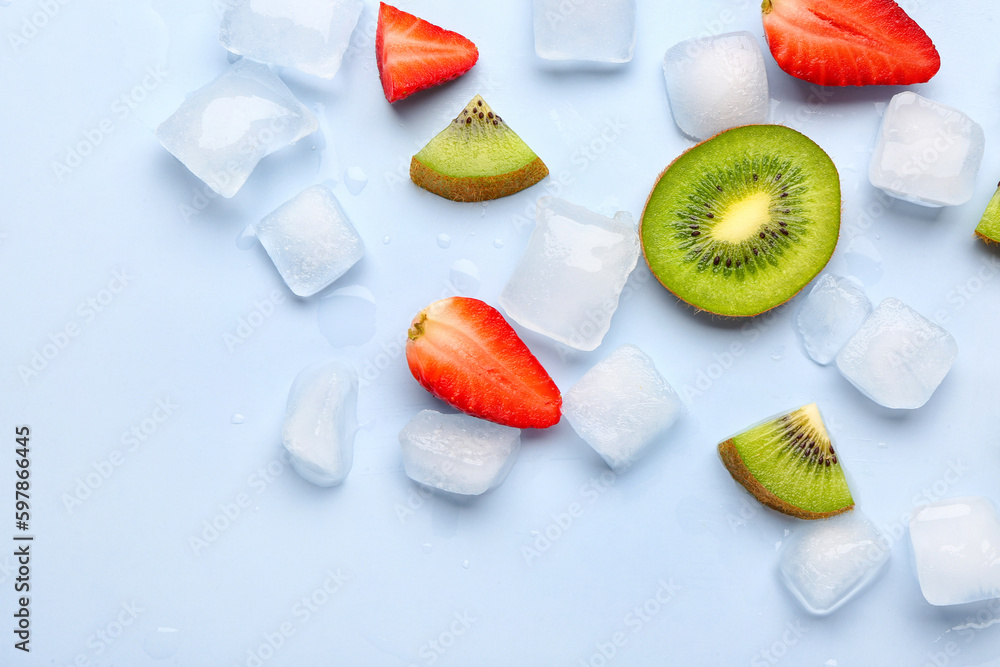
(898, 357)
(830, 314)
(310, 240)
(926, 152)
(571, 275)
(458, 453)
(309, 35)
(621, 406)
(592, 30)
(826, 563)
(716, 83)
(956, 545)
(222, 130)
(320, 422)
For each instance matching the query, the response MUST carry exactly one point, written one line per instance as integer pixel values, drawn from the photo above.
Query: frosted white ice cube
(458, 453)
(222, 130)
(898, 357)
(716, 83)
(956, 546)
(572, 273)
(309, 35)
(621, 406)
(320, 422)
(310, 240)
(826, 563)
(830, 314)
(926, 153)
(587, 30)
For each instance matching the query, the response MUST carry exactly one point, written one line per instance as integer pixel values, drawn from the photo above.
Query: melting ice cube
(898, 357)
(589, 30)
(320, 422)
(621, 406)
(956, 545)
(830, 314)
(716, 83)
(926, 152)
(572, 273)
(309, 35)
(222, 130)
(828, 562)
(458, 453)
(310, 240)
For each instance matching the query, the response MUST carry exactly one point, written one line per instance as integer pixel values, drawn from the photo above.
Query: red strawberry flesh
(464, 352)
(413, 54)
(848, 42)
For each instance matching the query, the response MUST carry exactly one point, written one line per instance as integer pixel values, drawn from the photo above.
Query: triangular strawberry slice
(848, 42)
(464, 352)
(413, 54)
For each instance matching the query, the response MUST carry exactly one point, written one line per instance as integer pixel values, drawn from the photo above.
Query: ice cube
(320, 422)
(222, 130)
(828, 562)
(310, 240)
(458, 453)
(926, 153)
(621, 406)
(898, 357)
(590, 30)
(309, 35)
(830, 314)
(956, 546)
(716, 83)
(572, 273)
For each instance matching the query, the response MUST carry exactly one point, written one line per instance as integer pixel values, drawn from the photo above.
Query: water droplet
(497, 243)
(355, 179)
(237, 418)
(465, 564)
(161, 643)
(883, 444)
(443, 240)
(347, 316)
(426, 548)
(465, 277)
(247, 237)
(386, 240)
(778, 353)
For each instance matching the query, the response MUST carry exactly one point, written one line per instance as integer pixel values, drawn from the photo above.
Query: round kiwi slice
(788, 463)
(740, 223)
(477, 157)
(988, 228)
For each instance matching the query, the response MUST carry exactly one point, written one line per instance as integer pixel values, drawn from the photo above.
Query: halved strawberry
(848, 42)
(464, 352)
(413, 54)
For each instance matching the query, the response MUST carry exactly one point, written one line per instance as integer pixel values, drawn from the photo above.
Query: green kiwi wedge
(738, 224)
(477, 157)
(789, 464)
(989, 227)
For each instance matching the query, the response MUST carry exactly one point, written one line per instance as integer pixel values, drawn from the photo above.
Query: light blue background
(676, 518)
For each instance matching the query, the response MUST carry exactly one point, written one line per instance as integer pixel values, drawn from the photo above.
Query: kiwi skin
(738, 469)
(477, 188)
(697, 308)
